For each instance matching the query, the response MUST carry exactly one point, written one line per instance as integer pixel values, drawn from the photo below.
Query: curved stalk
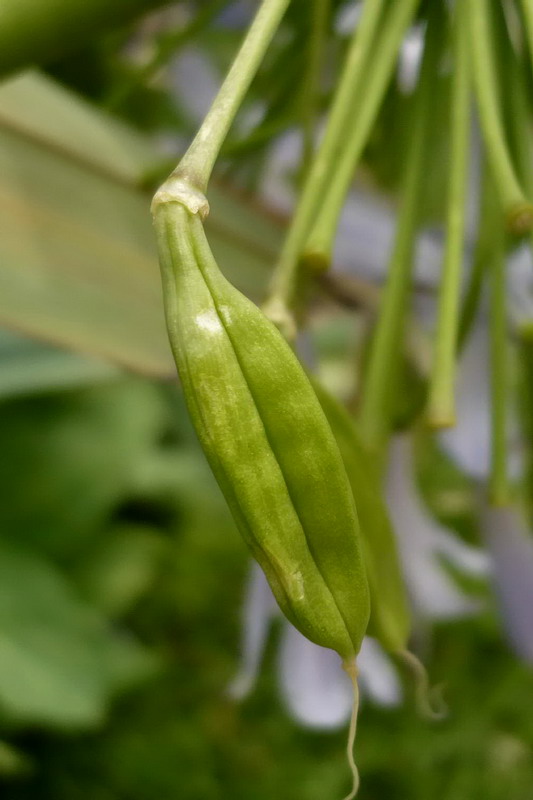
(197, 164)
(320, 12)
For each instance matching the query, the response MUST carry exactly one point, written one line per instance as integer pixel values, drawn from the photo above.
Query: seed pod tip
(519, 218)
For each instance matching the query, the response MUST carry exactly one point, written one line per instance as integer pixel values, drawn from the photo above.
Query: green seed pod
(266, 439)
(390, 621)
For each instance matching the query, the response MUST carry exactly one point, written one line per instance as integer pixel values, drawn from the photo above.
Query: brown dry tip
(519, 218)
(438, 421)
(315, 262)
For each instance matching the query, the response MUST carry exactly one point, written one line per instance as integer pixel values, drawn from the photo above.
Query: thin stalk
(281, 112)
(519, 118)
(351, 670)
(520, 122)
(499, 481)
(472, 295)
(441, 408)
(197, 164)
(387, 343)
(320, 14)
(489, 221)
(517, 209)
(512, 71)
(527, 13)
(363, 112)
(285, 275)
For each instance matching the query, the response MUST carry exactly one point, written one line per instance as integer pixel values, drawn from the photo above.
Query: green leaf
(28, 366)
(59, 660)
(44, 112)
(69, 459)
(122, 569)
(78, 263)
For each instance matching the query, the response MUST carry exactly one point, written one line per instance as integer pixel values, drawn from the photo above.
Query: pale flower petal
(277, 186)
(348, 17)
(432, 591)
(410, 58)
(315, 688)
(520, 284)
(473, 560)
(194, 80)
(511, 544)
(378, 679)
(468, 443)
(258, 609)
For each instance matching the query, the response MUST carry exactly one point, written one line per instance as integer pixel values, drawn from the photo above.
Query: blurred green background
(121, 574)
(121, 586)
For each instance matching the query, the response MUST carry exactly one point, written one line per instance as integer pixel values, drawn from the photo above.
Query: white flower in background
(468, 443)
(316, 689)
(511, 544)
(347, 18)
(410, 58)
(520, 285)
(504, 530)
(194, 81)
(312, 683)
(424, 544)
(277, 187)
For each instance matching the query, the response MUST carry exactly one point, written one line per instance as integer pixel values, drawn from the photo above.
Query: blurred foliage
(121, 581)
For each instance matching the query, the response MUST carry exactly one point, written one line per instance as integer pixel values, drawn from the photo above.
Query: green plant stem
(196, 166)
(527, 13)
(282, 111)
(488, 227)
(285, 276)
(320, 14)
(441, 403)
(517, 209)
(519, 117)
(472, 295)
(362, 114)
(387, 343)
(521, 123)
(498, 482)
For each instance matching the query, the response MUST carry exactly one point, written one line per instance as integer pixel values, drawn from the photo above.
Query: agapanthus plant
(416, 126)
